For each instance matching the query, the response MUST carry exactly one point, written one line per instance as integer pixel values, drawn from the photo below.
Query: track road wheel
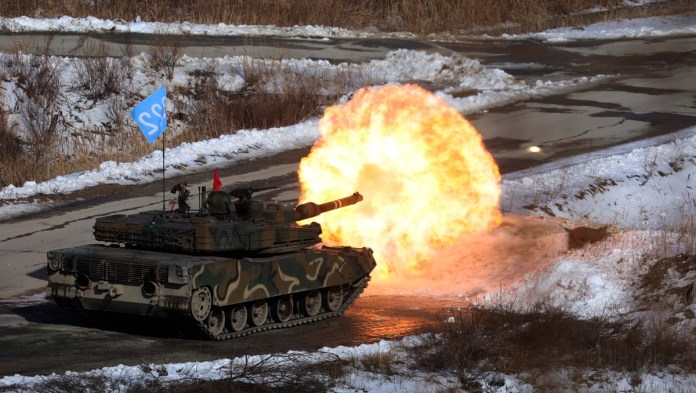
(310, 304)
(201, 304)
(282, 309)
(334, 298)
(216, 321)
(237, 318)
(258, 313)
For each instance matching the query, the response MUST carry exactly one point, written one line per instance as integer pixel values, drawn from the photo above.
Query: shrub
(102, 76)
(11, 155)
(165, 53)
(40, 121)
(542, 339)
(420, 16)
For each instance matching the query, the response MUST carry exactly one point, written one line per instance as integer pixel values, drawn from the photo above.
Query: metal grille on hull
(115, 271)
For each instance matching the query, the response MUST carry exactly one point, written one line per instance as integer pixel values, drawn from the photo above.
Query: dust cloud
(482, 263)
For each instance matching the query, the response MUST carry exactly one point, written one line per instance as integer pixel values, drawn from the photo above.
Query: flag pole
(154, 107)
(164, 205)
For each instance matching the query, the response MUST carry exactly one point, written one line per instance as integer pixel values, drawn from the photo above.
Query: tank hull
(223, 296)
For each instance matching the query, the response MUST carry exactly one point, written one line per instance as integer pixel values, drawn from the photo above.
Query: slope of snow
(91, 24)
(661, 26)
(652, 27)
(357, 380)
(495, 88)
(646, 187)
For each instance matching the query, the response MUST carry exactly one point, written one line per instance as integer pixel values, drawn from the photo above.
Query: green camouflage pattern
(256, 226)
(229, 274)
(118, 279)
(177, 232)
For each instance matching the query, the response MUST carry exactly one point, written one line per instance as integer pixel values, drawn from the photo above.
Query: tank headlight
(55, 264)
(178, 274)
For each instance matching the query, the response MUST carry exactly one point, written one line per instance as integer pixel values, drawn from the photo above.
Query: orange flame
(422, 168)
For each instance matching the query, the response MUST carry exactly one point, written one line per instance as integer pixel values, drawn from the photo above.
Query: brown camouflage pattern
(274, 229)
(203, 234)
(209, 265)
(116, 279)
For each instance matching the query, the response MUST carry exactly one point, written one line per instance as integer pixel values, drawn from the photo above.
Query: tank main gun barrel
(311, 209)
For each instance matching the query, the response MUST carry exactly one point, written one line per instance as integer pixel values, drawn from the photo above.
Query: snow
(635, 187)
(494, 86)
(652, 27)
(648, 192)
(90, 24)
(358, 379)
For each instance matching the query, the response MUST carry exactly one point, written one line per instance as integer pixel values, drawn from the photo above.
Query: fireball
(426, 178)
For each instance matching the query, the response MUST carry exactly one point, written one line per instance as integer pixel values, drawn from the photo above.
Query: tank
(228, 268)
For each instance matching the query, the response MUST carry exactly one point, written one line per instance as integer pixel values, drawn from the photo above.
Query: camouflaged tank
(231, 269)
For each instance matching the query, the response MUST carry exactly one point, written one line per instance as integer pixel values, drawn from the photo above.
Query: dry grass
(419, 16)
(38, 117)
(273, 96)
(12, 167)
(378, 362)
(100, 77)
(685, 226)
(277, 373)
(41, 143)
(546, 339)
(164, 55)
(677, 231)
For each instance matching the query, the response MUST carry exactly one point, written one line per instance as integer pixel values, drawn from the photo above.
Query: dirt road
(37, 337)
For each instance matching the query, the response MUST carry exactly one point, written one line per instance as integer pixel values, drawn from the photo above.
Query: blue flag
(150, 115)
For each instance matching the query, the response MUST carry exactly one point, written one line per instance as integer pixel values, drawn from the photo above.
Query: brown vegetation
(579, 236)
(292, 372)
(41, 141)
(419, 16)
(294, 98)
(10, 155)
(479, 345)
(545, 339)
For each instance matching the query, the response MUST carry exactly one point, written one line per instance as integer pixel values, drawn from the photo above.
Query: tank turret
(252, 226)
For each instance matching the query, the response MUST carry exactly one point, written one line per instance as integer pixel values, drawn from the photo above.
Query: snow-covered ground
(653, 27)
(494, 88)
(634, 28)
(642, 190)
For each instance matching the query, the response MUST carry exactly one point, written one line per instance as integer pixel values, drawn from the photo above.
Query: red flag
(217, 184)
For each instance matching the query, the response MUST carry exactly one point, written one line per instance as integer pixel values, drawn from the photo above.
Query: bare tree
(165, 53)
(39, 114)
(101, 76)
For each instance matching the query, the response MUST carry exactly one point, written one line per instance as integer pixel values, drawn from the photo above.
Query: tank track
(355, 290)
(352, 292)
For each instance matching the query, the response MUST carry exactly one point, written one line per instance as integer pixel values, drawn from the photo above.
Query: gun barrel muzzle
(311, 209)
